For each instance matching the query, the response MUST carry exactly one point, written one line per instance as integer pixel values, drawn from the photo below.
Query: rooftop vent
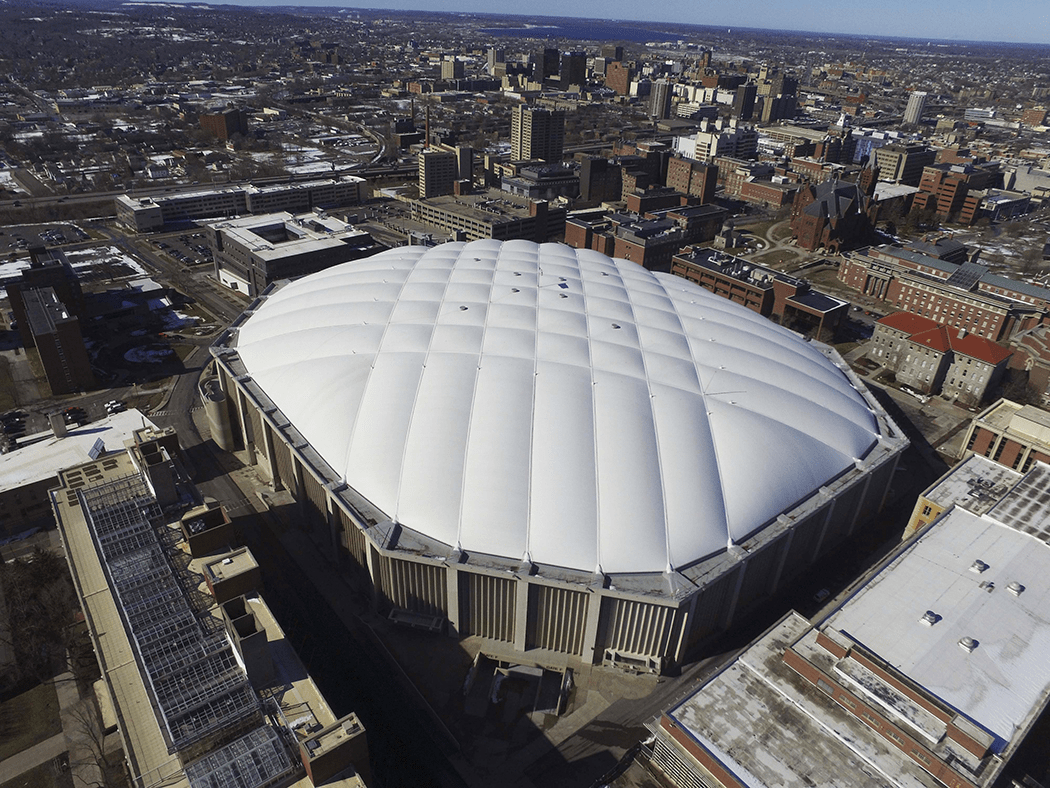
(978, 566)
(1015, 588)
(929, 618)
(967, 644)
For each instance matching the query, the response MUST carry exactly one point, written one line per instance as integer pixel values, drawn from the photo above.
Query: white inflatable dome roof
(552, 404)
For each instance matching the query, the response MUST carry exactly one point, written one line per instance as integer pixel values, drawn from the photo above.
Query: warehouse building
(566, 456)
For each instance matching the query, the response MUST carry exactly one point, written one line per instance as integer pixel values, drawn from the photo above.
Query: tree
(40, 609)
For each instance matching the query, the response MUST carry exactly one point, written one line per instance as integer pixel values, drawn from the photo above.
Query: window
(926, 511)
(823, 685)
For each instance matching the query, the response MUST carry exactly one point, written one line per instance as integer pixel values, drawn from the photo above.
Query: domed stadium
(560, 453)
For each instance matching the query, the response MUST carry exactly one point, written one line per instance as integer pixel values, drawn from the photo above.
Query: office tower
(744, 102)
(612, 52)
(916, 104)
(618, 77)
(494, 56)
(537, 134)
(573, 69)
(547, 63)
(660, 100)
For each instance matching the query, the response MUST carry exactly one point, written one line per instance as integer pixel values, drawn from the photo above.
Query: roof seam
(474, 397)
(693, 357)
(656, 426)
(419, 383)
(369, 377)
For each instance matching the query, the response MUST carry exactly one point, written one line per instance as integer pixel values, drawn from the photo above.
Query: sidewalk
(76, 714)
(27, 759)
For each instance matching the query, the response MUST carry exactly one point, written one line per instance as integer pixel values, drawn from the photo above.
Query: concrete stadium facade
(555, 612)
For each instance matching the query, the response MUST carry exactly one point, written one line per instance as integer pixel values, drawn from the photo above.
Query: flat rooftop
(229, 565)
(277, 235)
(43, 459)
(1002, 683)
(975, 485)
(489, 207)
(251, 759)
(771, 728)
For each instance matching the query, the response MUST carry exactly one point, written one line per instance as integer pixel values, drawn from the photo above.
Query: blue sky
(970, 20)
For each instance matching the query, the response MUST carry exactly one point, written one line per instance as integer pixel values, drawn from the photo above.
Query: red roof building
(933, 359)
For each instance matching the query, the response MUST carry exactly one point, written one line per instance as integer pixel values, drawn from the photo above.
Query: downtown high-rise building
(537, 134)
(660, 99)
(438, 171)
(916, 104)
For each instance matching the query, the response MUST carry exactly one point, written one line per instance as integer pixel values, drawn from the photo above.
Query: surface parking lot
(18, 238)
(188, 248)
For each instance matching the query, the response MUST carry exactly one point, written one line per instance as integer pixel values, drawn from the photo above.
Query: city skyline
(977, 21)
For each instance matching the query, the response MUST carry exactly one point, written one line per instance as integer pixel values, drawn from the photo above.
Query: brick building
(696, 178)
(601, 180)
(57, 338)
(831, 215)
(47, 268)
(1010, 434)
(790, 301)
(918, 679)
(951, 190)
(224, 125)
(965, 296)
(619, 76)
(1032, 357)
(768, 194)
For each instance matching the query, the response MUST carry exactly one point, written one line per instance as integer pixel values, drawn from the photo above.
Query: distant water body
(589, 30)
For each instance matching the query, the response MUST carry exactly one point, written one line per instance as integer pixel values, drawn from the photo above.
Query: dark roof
(835, 198)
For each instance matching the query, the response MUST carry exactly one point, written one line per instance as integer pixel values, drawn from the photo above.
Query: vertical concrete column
(246, 427)
(860, 501)
(373, 559)
(452, 592)
(521, 612)
(333, 526)
(300, 487)
(683, 632)
(734, 598)
(823, 530)
(590, 628)
(271, 458)
(889, 484)
(778, 570)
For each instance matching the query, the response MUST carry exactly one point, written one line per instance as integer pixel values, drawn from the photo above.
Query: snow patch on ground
(151, 354)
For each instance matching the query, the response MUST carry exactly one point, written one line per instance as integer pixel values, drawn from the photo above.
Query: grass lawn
(182, 350)
(51, 774)
(777, 258)
(845, 347)
(28, 719)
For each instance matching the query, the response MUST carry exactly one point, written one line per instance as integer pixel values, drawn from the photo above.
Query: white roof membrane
(539, 401)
